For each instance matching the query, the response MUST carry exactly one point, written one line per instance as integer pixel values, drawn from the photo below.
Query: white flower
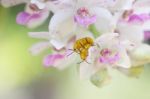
(76, 15)
(42, 45)
(110, 53)
(34, 15)
(58, 59)
(133, 26)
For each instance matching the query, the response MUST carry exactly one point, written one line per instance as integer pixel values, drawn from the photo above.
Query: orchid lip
(86, 21)
(50, 60)
(84, 18)
(107, 57)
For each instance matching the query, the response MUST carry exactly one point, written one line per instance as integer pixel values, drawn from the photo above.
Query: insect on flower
(81, 46)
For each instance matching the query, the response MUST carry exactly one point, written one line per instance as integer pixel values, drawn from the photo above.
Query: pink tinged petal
(22, 18)
(37, 19)
(32, 20)
(39, 47)
(135, 19)
(86, 21)
(52, 60)
(147, 35)
(141, 18)
(39, 35)
(109, 60)
(59, 61)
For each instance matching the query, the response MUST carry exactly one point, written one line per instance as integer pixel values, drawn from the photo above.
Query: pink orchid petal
(52, 60)
(22, 18)
(141, 18)
(109, 60)
(85, 21)
(36, 19)
(32, 20)
(147, 35)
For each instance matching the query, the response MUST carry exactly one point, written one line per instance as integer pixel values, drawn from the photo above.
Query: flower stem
(92, 28)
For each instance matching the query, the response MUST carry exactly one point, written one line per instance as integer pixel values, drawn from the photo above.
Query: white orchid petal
(107, 38)
(131, 32)
(58, 18)
(142, 3)
(128, 45)
(146, 25)
(92, 54)
(40, 35)
(122, 5)
(104, 19)
(86, 70)
(57, 44)
(124, 61)
(68, 61)
(140, 55)
(39, 47)
(56, 5)
(62, 34)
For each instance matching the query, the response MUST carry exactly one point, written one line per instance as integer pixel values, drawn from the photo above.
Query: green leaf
(92, 28)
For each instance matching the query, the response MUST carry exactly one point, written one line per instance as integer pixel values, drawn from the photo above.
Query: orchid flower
(79, 16)
(57, 59)
(134, 26)
(106, 55)
(34, 15)
(114, 55)
(135, 20)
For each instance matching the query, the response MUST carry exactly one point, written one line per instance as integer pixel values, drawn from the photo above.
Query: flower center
(83, 17)
(83, 12)
(108, 56)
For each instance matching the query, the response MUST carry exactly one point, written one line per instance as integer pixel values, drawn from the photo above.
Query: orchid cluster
(118, 29)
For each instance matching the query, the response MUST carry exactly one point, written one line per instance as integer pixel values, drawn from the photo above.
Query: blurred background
(22, 76)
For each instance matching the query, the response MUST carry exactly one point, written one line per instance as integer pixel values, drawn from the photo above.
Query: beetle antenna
(70, 54)
(87, 62)
(71, 49)
(80, 62)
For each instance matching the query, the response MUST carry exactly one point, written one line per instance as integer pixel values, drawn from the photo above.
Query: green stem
(92, 28)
